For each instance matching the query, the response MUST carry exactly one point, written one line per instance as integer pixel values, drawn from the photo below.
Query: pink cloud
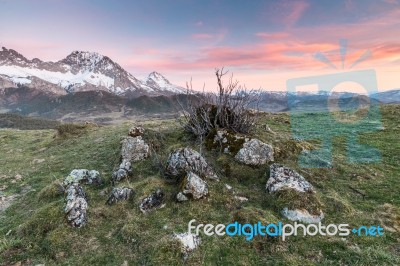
(288, 12)
(296, 11)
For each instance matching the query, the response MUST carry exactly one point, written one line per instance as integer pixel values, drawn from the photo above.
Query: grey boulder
(185, 160)
(154, 200)
(78, 176)
(282, 177)
(189, 242)
(192, 187)
(119, 194)
(134, 149)
(76, 206)
(255, 152)
(302, 215)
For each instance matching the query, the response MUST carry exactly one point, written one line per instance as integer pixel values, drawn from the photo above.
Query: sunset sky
(263, 43)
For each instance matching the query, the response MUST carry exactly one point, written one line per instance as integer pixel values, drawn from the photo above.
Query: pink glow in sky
(263, 43)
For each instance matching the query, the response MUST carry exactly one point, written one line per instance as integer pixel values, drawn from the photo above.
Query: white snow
(20, 80)
(163, 84)
(62, 79)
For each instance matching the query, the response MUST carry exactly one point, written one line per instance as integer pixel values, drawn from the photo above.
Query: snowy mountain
(157, 81)
(79, 71)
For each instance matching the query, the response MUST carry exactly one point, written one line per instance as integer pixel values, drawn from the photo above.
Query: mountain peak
(79, 71)
(157, 77)
(84, 58)
(10, 56)
(156, 80)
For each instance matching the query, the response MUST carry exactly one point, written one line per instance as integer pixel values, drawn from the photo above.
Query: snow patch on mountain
(62, 79)
(157, 80)
(80, 71)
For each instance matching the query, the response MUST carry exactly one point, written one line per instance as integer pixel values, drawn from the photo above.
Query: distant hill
(392, 96)
(27, 123)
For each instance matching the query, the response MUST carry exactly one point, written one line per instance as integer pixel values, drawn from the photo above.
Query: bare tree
(228, 108)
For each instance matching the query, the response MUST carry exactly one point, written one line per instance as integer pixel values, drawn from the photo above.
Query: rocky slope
(79, 71)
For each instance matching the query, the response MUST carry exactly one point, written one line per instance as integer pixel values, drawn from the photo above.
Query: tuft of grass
(293, 200)
(52, 191)
(71, 129)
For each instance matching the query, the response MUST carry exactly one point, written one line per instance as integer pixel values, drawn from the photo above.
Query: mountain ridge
(79, 71)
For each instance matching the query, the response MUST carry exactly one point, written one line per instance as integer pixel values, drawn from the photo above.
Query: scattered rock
(241, 199)
(224, 140)
(297, 194)
(76, 207)
(119, 194)
(119, 175)
(192, 187)
(83, 176)
(302, 216)
(124, 170)
(185, 160)
(189, 242)
(18, 177)
(181, 197)
(255, 152)
(136, 131)
(154, 200)
(228, 187)
(282, 177)
(134, 149)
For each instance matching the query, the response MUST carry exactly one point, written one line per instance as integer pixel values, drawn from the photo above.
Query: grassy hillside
(26, 123)
(33, 229)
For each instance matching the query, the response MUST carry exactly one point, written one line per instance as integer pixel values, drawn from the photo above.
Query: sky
(262, 43)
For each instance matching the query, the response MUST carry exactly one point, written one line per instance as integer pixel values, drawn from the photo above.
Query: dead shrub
(229, 109)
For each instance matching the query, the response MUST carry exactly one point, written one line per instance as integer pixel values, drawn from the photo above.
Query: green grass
(33, 229)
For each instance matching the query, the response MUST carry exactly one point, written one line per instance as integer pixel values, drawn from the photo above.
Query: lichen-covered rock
(302, 215)
(136, 131)
(297, 197)
(154, 200)
(189, 242)
(124, 170)
(185, 160)
(192, 187)
(78, 176)
(119, 175)
(126, 165)
(76, 207)
(225, 141)
(134, 149)
(119, 194)
(282, 177)
(255, 152)
(181, 197)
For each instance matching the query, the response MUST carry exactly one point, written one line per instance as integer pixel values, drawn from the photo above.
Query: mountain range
(87, 85)
(79, 71)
